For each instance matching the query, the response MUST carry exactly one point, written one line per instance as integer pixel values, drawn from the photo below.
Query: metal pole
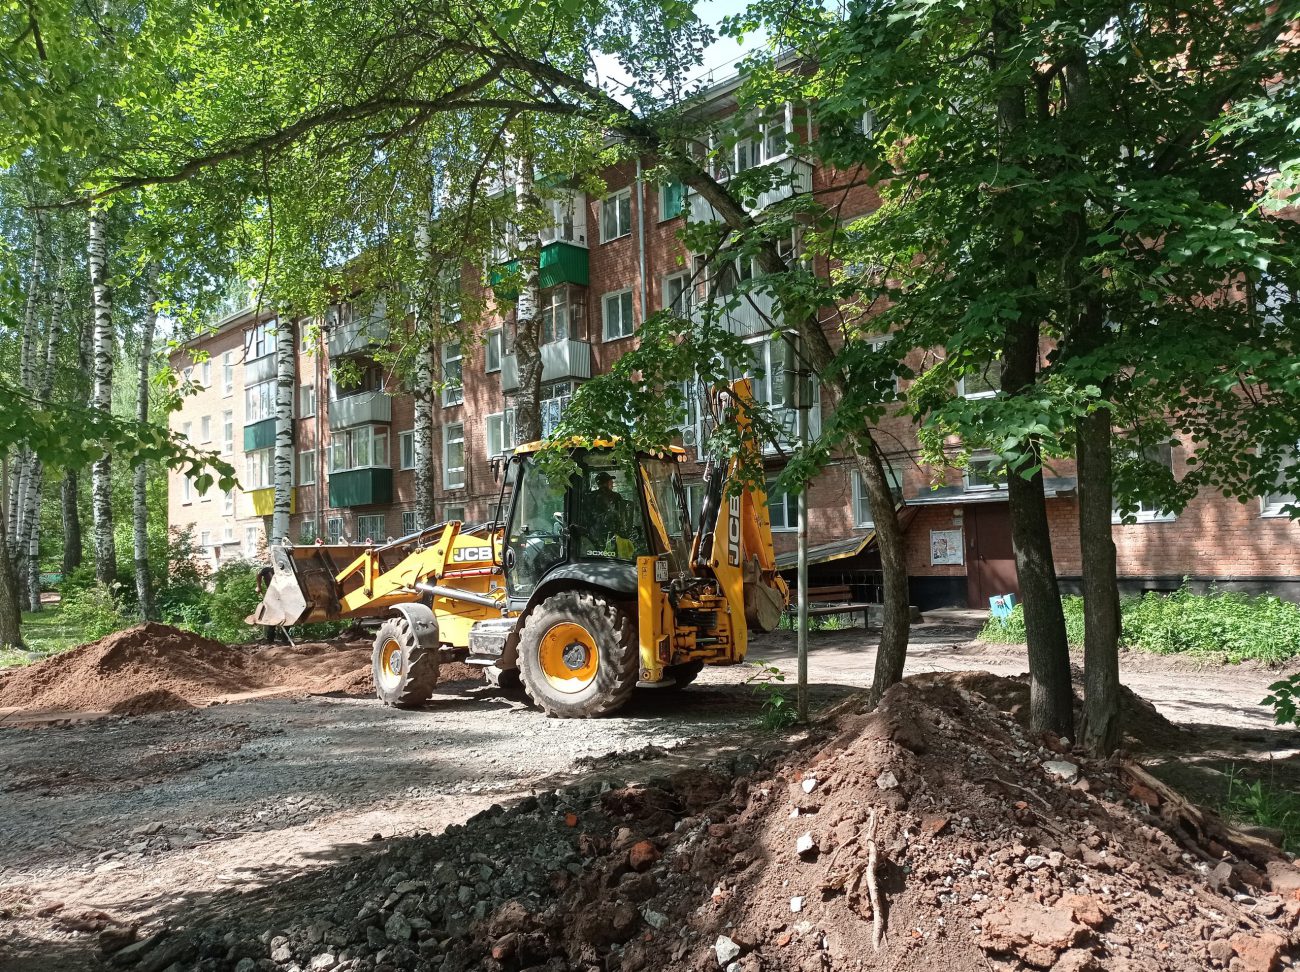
(801, 694)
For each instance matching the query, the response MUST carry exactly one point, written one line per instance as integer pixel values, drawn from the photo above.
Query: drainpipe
(640, 234)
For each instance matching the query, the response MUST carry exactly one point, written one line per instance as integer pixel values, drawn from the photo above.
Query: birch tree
(528, 321)
(22, 468)
(101, 480)
(285, 373)
(422, 438)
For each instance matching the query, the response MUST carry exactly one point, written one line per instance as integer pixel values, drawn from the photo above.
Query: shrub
(1285, 700)
(95, 611)
(1237, 626)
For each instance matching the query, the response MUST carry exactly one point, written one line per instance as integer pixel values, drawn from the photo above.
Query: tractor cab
(595, 525)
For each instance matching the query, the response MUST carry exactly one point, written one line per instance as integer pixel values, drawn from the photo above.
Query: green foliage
(1265, 805)
(1284, 697)
(1234, 626)
(95, 611)
(779, 712)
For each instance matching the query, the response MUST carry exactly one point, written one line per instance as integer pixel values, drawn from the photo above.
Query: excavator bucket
(301, 588)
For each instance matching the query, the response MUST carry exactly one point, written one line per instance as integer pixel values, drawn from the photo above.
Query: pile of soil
(157, 668)
(930, 833)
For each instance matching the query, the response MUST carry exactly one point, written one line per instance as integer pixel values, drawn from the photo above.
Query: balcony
(361, 487)
(360, 409)
(360, 334)
(259, 435)
(259, 369)
(752, 314)
(559, 263)
(261, 502)
(795, 177)
(560, 359)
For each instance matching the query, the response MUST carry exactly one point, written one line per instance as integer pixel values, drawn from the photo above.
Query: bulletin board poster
(946, 547)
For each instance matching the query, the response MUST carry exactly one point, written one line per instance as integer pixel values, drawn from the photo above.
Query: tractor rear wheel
(578, 655)
(405, 673)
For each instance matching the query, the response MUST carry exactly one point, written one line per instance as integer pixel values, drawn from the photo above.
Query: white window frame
(1143, 514)
(501, 427)
(765, 391)
(685, 297)
(494, 346)
(624, 298)
(307, 401)
(980, 458)
(408, 522)
(453, 477)
(228, 373)
(1271, 504)
(456, 512)
(227, 534)
(259, 469)
(621, 200)
(187, 490)
(205, 428)
(205, 370)
(227, 432)
(453, 394)
(405, 444)
(983, 393)
(260, 401)
(252, 540)
(334, 530)
(345, 442)
(260, 336)
(187, 431)
(861, 502)
(228, 503)
(552, 414)
(368, 520)
(306, 467)
(789, 502)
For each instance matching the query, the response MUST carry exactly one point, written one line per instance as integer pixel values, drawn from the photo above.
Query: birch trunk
(285, 349)
(73, 542)
(32, 515)
(140, 479)
(24, 458)
(423, 437)
(101, 471)
(10, 616)
(528, 321)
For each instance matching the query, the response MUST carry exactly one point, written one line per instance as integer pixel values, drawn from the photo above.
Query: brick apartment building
(607, 263)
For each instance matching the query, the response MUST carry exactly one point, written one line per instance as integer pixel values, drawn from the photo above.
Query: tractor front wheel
(578, 655)
(405, 673)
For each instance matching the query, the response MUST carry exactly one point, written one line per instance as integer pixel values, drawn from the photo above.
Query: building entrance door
(990, 559)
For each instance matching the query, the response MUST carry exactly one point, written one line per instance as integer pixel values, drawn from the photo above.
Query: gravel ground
(129, 815)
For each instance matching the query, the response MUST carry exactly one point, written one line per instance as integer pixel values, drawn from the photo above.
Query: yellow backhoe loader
(588, 589)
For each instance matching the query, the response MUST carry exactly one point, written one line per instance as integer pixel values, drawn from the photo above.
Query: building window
(764, 140)
(369, 381)
(259, 402)
(694, 501)
(679, 293)
(1274, 502)
(499, 433)
(453, 456)
(1148, 508)
(363, 447)
(617, 315)
(259, 341)
(228, 373)
(453, 388)
(453, 513)
(334, 529)
(259, 469)
(408, 522)
(370, 529)
(187, 430)
(205, 428)
(984, 383)
(672, 200)
(406, 450)
(187, 490)
(205, 538)
(562, 316)
(768, 380)
(228, 534)
(205, 370)
(228, 503)
(307, 401)
(862, 504)
(307, 532)
(782, 508)
(616, 215)
(985, 471)
(252, 541)
(555, 399)
(307, 467)
(227, 433)
(494, 350)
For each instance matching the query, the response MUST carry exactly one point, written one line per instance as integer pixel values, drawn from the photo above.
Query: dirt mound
(930, 833)
(155, 700)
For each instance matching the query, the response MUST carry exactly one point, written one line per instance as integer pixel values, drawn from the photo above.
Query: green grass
(1265, 805)
(46, 633)
(1231, 626)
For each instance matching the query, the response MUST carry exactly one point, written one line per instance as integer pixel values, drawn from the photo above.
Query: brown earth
(157, 668)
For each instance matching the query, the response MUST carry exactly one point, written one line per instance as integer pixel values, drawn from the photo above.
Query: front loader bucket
(302, 588)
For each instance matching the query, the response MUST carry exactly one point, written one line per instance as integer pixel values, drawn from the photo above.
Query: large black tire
(682, 675)
(578, 655)
(405, 673)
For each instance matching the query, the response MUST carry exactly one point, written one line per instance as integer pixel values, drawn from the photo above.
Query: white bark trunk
(285, 349)
(27, 357)
(528, 322)
(423, 437)
(140, 478)
(32, 515)
(101, 486)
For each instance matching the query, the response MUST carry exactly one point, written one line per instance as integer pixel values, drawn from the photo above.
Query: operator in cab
(609, 511)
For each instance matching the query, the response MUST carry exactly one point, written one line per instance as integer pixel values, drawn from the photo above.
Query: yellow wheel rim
(390, 663)
(568, 657)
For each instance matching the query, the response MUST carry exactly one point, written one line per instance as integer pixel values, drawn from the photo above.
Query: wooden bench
(836, 599)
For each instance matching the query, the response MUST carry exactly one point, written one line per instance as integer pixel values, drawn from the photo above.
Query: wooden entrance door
(990, 559)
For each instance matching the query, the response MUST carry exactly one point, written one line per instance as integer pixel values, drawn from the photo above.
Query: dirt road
(128, 815)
